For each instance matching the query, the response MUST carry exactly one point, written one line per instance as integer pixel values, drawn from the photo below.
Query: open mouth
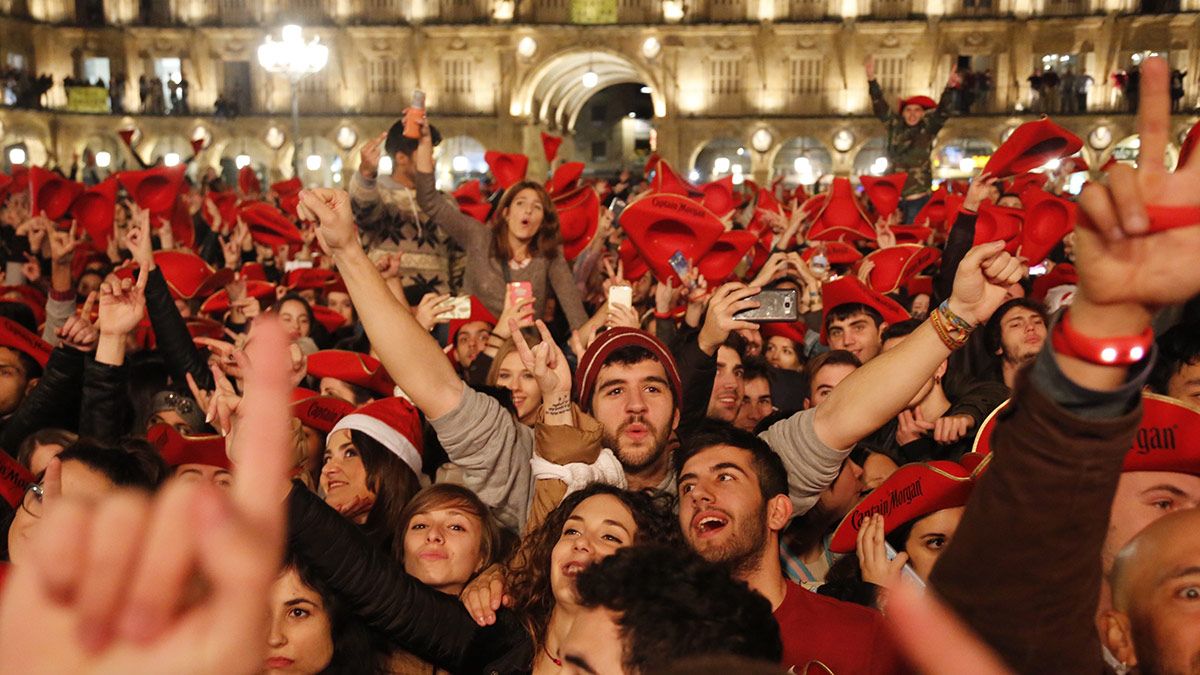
(709, 523)
(572, 569)
(335, 484)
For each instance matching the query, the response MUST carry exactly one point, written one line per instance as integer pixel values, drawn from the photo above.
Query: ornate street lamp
(297, 59)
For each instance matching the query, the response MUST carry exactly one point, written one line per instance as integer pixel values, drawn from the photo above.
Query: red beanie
(610, 341)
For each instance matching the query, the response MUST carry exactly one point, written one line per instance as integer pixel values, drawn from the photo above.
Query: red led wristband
(1113, 351)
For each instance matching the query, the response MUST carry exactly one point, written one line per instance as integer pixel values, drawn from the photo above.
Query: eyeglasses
(32, 501)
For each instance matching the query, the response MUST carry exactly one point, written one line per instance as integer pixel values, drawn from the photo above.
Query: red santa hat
(395, 423)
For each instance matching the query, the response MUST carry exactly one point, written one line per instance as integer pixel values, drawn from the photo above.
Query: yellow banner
(593, 11)
(87, 99)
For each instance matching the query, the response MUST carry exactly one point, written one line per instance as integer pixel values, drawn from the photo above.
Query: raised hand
(978, 192)
(982, 281)
(869, 66)
(63, 244)
(431, 310)
(122, 304)
(911, 425)
(175, 583)
(137, 238)
(372, 150)
(484, 595)
(872, 555)
(545, 360)
(330, 208)
(936, 641)
(719, 322)
(77, 331)
(1119, 261)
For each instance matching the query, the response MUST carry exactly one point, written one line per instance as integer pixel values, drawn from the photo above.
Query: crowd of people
(635, 425)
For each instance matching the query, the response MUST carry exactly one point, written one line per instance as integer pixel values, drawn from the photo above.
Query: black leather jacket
(54, 402)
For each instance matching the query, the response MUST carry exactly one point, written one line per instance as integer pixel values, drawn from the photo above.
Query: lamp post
(297, 59)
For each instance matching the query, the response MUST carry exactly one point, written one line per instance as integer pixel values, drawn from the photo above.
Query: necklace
(557, 662)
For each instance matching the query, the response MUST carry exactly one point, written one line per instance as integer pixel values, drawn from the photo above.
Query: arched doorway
(872, 158)
(721, 157)
(801, 161)
(245, 151)
(459, 159)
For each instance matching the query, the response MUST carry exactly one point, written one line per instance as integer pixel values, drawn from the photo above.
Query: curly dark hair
(674, 604)
(547, 241)
(528, 575)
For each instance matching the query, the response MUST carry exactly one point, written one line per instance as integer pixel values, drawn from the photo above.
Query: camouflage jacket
(909, 148)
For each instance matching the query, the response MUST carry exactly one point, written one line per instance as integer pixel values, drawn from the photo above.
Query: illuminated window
(726, 75)
(456, 75)
(805, 76)
(889, 73)
(383, 75)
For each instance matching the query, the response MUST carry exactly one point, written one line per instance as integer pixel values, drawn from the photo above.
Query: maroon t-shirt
(848, 639)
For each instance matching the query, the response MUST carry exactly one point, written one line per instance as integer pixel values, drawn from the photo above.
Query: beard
(1151, 656)
(637, 459)
(741, 552)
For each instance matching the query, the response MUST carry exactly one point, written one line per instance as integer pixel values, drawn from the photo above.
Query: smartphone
(519, 290)
(907, 571)
(620, 295)
(679, 264)
(457, 307)
(412, 118)
(297, 265)
(774, 305)
(617, 205)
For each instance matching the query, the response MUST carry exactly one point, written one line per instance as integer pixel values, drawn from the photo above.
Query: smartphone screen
(679, 264)
(773, 305)
(620, 295)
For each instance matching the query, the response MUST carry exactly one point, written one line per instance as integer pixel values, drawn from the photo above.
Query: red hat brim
(849, 289)
(315, 278)
(718, 264)
(331, 319)
(913, 491)
(794, 331)
(1019, 184)
(911, 234)
(924, 101)
(94, 210)
(633, 263)
(507, 168)
(578, 219)
(661, 224)
(248, 182)
(841, 218)
(177, 449)
(321, 412)
(550, 145)
(836, 252)
(358, 369)
(895, 265)
(999, 223)
(1047, 220)
(219, 301)
(154, 189)
(1190, 143)
(1062, 274)
(51, 193)
(268, 225)
(479, 313)
(565, 177)
(1030, 146)
(15, 336)
(884, 192)
(188, 276)
(719, 196)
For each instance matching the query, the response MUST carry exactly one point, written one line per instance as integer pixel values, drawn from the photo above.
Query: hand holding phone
(773, 305)
(518, 291)
(620, 296)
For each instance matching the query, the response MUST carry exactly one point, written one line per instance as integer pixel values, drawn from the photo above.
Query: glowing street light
(296, 59)
(242, 161)
(590, 79)
(171, 159)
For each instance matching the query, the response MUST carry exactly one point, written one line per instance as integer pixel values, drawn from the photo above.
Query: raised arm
(410, 355)
(440, 210)
(859, 405)
(878, 104)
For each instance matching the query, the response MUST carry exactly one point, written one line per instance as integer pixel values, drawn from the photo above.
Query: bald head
(1156, 597)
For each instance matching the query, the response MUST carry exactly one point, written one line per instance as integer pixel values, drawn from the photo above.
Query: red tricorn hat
(478, 313)
(565, 177)
(15, 479)
(154, 189)
(918, 284)
(268, 225)
(792, 330)
(357, 369)
(1020, 184)
(5, 181)
(331, 319)
(507, 168)
(719, 197)
(999, 223)
(1030, 146)
(661, 224)
(836, 252)
(884, 192)
(633, 262)
(51, 193)
(321, 412)
(226, 203)
(1190, 143)
(895, 265)
(94, 210)
(841, 217)
(940, 211)
(913, 491)
(15, 336)
(667, 181)
(1047, 220)
(471, 201)
(248, 183)
(127, 136)
(923, 101)
(730, 249)
(1062, 274)
(29, 296)
(200, 326)
(578, 219)
(1167, 440)
(849, 289)
(188, 276)
(912, 234)
(177, 449)
(219, 301)
(289, 195)
(314, 278)
(550, 145)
